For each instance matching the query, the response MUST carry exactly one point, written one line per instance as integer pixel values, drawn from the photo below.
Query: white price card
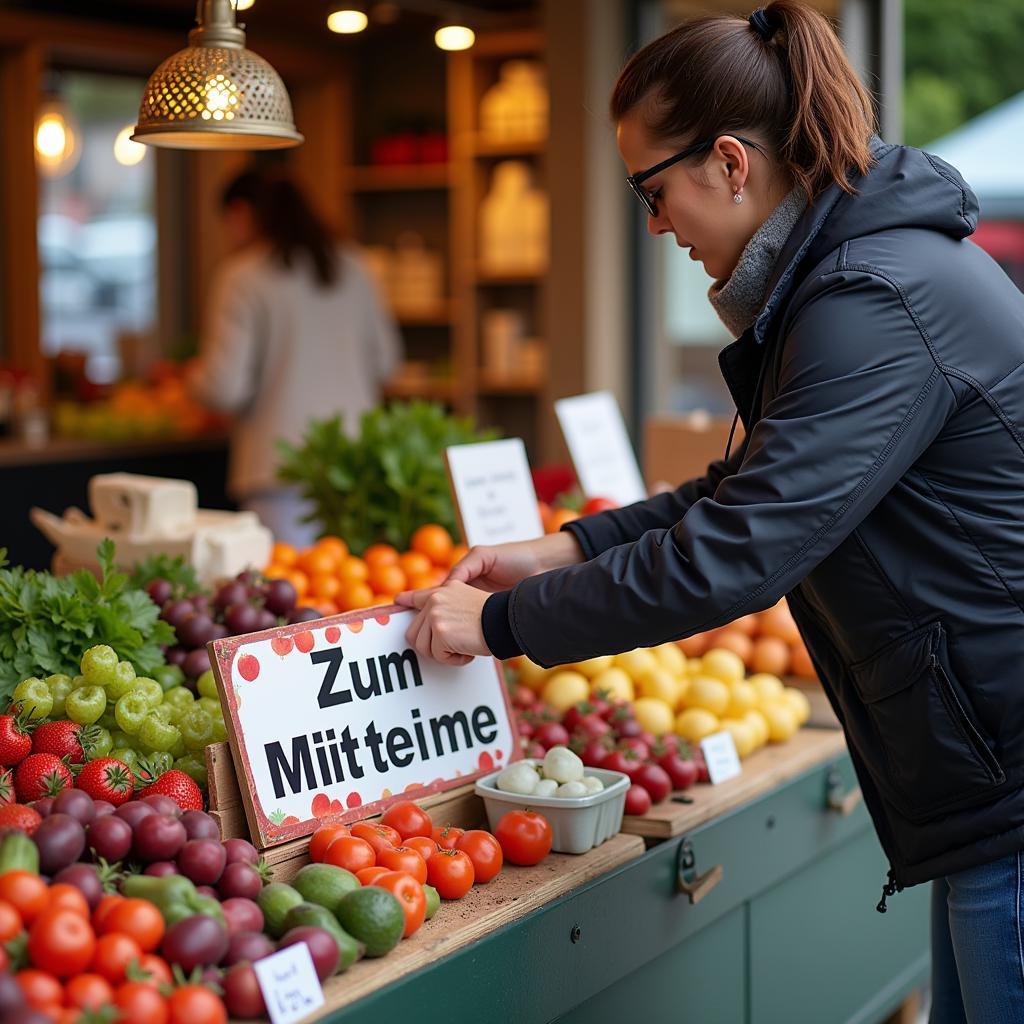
(720, 755)
(601, 452)
(494, 492)
(289, 984)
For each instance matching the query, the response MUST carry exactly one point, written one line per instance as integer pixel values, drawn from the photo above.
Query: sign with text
(602, 455)
(334, 719)
(289, 983)
(494, 492)
(720, 755)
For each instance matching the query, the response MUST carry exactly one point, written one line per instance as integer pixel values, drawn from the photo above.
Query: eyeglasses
(635, 181)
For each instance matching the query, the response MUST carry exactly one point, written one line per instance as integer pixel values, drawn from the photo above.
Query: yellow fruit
(530, 674)
(759, 724)
(722, 664)
(636, 663)
(742, 697)
(682, 689)
(613, 684)
(781, 719)
(563, 689)
(693, 666)
(660, 684)
(743, 735)
(696, 723)
(670, 657)
(768, 687)
(797, 700)
(593, 666)
(708, 693)
(654, 715)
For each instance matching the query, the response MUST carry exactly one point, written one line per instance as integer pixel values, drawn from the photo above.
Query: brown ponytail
(720, 75)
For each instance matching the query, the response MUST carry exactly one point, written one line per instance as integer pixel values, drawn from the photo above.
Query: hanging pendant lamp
(216, 94)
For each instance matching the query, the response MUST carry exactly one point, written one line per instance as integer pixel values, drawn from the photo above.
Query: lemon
(660, 684)
(797, 700)
(769, 688)
(781, 719)
(708, 693)
(530, 674)
(759, 724)
(722, 664)
(593, 666)
(696, 723)
(563, 689)
(671, 658)
(743, 735)
(636, 663)
(654, 715)
(742, 697)
(613, 683)
(682, 689)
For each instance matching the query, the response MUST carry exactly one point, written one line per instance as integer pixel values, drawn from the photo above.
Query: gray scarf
(738, 299)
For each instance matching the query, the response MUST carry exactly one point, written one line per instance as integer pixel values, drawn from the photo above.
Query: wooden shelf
(401, 178)
(504, 384)
(486, 149)
(442, 316)
(433, 390)
(508, 277)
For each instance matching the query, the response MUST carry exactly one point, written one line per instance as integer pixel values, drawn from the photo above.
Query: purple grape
(279, 597)
(322, 947)
(43, 806)
(265, 619)
(241, 851)
(199, 825)
(162, 804)
(61, 840)
(303, 615)
(161, 868)
(230, 594)
(239, 881)
(86, 879)
(160, 590)
(195, 941)
(110, 837)
(247, 945)
(134, 811)
(158, 837)
(242, 915)
(241, 618)
(202, 861)
(76, 803)
(102, 807)
(175, 655)
(218, 631)
(176, 612)
(197, 662)
(247, 577)
(207, 890)
(194, 631)
(243, 996)
(201, 603)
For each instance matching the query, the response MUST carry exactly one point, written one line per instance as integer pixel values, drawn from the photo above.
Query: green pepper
(18, 853)
(34, 696)
(173, 895)
(60, 686)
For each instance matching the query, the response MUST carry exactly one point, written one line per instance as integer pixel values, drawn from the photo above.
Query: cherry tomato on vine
(450, 872)
(425, 847)
(446, 836)
(404, 858)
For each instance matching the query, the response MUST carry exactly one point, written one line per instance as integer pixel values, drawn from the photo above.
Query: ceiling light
(216, 94)
(454, 37)
(126, 152)
(347, 21)
(56, 140)
(243, 5)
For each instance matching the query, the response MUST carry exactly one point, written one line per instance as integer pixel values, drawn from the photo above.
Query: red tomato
(379, 836)
(104, 907)
(410, 894)
(351, 853)
(140, 1003)
(61, 942)
(594, 505)
(114, 952)
(26, 892)
(88, 992)
(425, 847)
(446, 836)
(407, 819)
(525, 837)
(138, 919)
(370, 875)
(10, 921)
(67, 897)
(485, 853)
(322, 838)
(195, 1004)
(404, 858)
(157, 969)
(450, 872)
(40, 988)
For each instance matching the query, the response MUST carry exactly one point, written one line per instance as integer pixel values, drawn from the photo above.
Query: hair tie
(761, 25)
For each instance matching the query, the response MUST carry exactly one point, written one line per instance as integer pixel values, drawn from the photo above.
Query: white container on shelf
(515, 108)
(514, 222)
(577, 824)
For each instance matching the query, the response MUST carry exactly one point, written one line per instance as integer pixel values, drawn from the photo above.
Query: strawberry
(15, 742)
(25, 819)
(180, 787)
(107, 778)
(62, 739)
(6, 786)
(41, 775)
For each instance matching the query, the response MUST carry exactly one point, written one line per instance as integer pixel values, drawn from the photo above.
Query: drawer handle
(839, 801)
(695, 886)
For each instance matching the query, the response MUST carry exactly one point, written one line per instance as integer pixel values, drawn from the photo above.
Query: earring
(738, 197)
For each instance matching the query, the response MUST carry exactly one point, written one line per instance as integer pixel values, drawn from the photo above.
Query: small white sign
(289, 984)
(494, 492)
(720, 756)
(601, 452)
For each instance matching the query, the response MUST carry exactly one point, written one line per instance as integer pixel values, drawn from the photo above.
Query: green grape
(180, 698)
(166, 713)
(108, 720)
(34, 696)
(196, 727)
(211, 707)
(169, 676)
(207, 685)
(96, 742)
(60, 686)
(78, 682)
(86, 705)
(179, 749)
(99, 664)
(157, 733)
(220, 732)
(130, 710)
(193, 766)
(151, 688)
(120, 739)
(129, 755)
(121, 681)
(155, 764)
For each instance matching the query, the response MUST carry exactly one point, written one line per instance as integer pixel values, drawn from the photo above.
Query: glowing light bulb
(126, 152)
(56, 141)
(346, 22)
(51, 137)
(220, 95)
(454, 37)
(243, 5)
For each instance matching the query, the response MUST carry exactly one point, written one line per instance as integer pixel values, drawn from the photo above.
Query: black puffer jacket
(880, 487)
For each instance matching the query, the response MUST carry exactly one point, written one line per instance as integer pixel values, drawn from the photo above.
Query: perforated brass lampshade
(216, 94)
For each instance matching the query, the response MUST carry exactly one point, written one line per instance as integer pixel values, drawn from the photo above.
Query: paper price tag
(289, 984)
(601, 452)
(720, 755)
(494, 492)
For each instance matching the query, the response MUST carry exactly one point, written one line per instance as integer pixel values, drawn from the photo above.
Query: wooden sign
(602, 455)
(335, 719)
(493, 492)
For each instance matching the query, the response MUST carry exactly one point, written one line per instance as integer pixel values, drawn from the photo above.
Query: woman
(879, 372)
(294, 332)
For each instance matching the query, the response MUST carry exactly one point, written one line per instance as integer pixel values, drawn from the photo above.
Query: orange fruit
(459, 552)
(318, 561)
(334, 546)
(299, 580)
(382, 599)
(326, 587)
(558, 518)
(355, 595)
(353, 570)
(412, 563)
(380, 554)
(284, 554)
(386, 579)
(276, 571)
(433, 541)
(326, 608)
(421, 581)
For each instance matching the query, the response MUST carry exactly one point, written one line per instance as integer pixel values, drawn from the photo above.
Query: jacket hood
(904, 188)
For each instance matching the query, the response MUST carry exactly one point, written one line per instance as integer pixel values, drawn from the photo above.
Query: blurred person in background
(294, 331)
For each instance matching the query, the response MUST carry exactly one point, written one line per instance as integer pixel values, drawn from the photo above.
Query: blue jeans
(978, 945)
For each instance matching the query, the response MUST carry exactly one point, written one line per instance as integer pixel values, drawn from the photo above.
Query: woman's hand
(448, 626)
(502, 566)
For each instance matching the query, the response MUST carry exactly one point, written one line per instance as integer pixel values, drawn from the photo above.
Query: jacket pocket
(934, 755)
